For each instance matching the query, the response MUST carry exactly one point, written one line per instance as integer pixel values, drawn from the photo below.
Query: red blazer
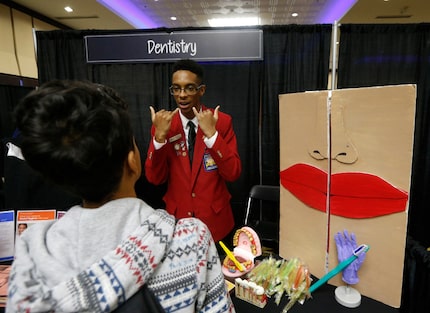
(202, 192)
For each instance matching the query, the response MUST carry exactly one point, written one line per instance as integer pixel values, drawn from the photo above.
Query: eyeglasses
(190, 90)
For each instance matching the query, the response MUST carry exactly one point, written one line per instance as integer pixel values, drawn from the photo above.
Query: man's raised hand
(162, 121)
(207, 121)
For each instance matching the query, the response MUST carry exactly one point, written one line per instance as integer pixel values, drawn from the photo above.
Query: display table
(322, 301)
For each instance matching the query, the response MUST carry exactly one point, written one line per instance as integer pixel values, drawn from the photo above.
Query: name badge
(174, 138)
(209, 162)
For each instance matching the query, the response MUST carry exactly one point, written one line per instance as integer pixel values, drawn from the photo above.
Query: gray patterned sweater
(93, 260)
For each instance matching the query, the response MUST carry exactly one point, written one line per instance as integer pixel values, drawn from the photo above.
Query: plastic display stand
(347, 296)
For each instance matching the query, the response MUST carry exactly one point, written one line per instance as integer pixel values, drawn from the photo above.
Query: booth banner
(209, 45)
(345, 165)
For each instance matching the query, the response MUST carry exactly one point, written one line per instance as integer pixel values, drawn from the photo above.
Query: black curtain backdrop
(296, 58)
(377, 55)
(9, 96)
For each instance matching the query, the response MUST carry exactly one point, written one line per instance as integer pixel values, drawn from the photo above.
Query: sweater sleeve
(213, 296)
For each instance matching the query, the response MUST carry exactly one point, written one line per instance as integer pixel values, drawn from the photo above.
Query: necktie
(191, 140)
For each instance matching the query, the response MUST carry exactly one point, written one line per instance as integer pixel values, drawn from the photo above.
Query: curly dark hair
(189, 65)
(76, 134)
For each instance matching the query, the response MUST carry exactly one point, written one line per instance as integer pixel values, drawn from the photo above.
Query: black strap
(142, 301)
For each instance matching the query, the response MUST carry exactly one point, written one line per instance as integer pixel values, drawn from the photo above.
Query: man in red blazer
(196, 188)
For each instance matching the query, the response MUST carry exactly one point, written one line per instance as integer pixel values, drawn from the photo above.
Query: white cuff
(211, 141)
(158, 145)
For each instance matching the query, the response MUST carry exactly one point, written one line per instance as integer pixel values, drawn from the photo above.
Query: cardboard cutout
(370, 132)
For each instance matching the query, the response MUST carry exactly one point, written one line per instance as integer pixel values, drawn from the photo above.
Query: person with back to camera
(197, 187)
(102, 253)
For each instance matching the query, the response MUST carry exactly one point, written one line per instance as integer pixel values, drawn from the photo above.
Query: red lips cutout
(352, 195)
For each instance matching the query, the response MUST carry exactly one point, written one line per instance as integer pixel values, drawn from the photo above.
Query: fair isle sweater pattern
(178, 261)
(208, 286)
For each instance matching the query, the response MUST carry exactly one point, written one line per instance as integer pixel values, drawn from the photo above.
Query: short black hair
(76, 134)
(189, 65)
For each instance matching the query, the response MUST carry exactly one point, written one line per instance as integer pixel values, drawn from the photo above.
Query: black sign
(210, 45)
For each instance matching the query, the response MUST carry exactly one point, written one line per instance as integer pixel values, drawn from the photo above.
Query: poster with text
(27, 218)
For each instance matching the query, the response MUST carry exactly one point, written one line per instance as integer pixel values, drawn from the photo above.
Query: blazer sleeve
(224, 150)
(156, 167)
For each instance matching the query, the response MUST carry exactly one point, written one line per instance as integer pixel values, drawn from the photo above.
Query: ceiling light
(295, 14)
(234, 21)
(173, 18)
(68, 9)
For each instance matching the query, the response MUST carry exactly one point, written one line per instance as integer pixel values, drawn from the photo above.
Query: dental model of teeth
(250, 292)
(247, 248)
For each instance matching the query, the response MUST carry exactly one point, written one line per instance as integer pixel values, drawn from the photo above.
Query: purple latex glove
(346, 244)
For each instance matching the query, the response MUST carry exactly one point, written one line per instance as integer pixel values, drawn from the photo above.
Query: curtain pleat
(296, 59)
(9, 96)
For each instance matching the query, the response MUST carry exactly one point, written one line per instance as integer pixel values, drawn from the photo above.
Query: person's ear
(202, 90)
(133, 162)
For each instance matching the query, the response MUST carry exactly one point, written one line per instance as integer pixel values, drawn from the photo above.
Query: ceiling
(90, 14)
